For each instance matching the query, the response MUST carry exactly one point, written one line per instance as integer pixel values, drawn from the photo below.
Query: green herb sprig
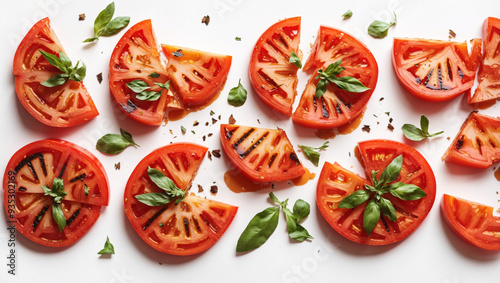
(237, 95)
(163, 182)
(114, 143)
(108, 248)
(58, 193)
(379, 29)
(264, 223)
(312, 153)
(105, 25)
(64, 64)
(413, 133)
(329, 75)
(378, 203)
(140, 87)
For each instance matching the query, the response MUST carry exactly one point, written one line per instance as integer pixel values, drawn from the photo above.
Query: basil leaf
(391, 172)
(376, 182)
(379, 29)
(333, 69)
(58, 187)
(356, 198)
(413, 133)
(408, 192)
(424, 124)
(294, 59)
(347, 14)
(300, 234)
(104, 18)
(371, 216)
(349, 83)
(165, 85)
(321, 88)
(237, 95)
(58, 216)
(388, 209)
(291, 220)
(56, 80)
(154, 75)
(154, 199)
(138, 86)
(127, 136)
(53, 60)
(65, 61)
(312, 152)
(148, 95)
(301, 210)
(78, 73)
(86, 189)
(115, 26)
(258, 230)
(112, 144)
(162, 181)
(64, 65)
(274, 198)
(108, 248)
(183, 130)
(91, 39)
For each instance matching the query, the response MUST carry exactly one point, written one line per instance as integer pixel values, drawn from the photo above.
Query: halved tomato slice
(335, 183)
(489, 70)
(336, 107)
(477, 144)
(37, 164)
(434, 70)
(61, 106)
(472, 222)
(190, 227)
(262, 155)
(273, 77)
(197, 76)
(136, 57)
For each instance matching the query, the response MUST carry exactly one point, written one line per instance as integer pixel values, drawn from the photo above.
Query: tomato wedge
(262, 155)
(197, 76)
(37, 164)
(273, 77)
(489, 70)
(434, 70)
(336, 107)
(136, 57)
(477, 144)
(472, 222)
(61, 106)
(190, 227)
(335, 183)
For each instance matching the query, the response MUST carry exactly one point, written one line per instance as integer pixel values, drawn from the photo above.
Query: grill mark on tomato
(448, 66)
(229, 133)
(39, 217)
(186, 227)
(275, 48)
(245, 135)
(385, 225)
(22, 189)
(271, 160)
(337, 108)
(129, 107)
(266, 78)
(460, 73)
(398, 209)
(315, 103)
(249, 150)
(294, 157)
(323, 108)
(348, 105)
(27, 162)
(418, 80)
(479, 145)
(428, 78)
(154, 217)
(78, 178)
(460, 143)
(196, 224)
(72, 218)
(62, 170)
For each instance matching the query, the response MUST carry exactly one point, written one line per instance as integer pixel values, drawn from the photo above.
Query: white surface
(431, 254)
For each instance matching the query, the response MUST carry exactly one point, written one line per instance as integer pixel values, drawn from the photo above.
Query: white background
(431, 254)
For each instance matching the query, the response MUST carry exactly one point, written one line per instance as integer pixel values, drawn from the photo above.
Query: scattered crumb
(387, 113)
(210, 134)
(160, 263)
(81, 17)
(200, 189)
(99, 77)
(204, 138)
(117, 166)
(206, 124)
(366, 128)
(171, 132)
(381, 99)
(452, 34)
(216, 153)
(448, 138)
(214, 189)
(258, 121)
(205, 20)
(390, 127)
(214, 121)
(209, 156)
(196, 123)
(390, 120)
(232, 121)
(219, 117)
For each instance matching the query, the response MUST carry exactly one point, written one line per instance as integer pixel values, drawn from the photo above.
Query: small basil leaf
(413, 133)
(300, 234)
(347, 14)
(56, 80)
(115, 26)
(376, 182)
(183, 130)
(80, 72)
(274, 198)
(333, 69)
(65, 61)
(154, 199)
(378, 29)
(371, 216)
(408, 192)
(138, 86)
(258, 230)
(391, 172)
(53, 60)
(112, 144)
(154, 75)
(58, 187)
(86, 189)
(424, 125)
(321, 88)
(104, 18)
(165, 85)
(58, 216)
(294, 59)
(301, 210)
(291, 220)
(108, 248)
(237, 95)
(388, 209)
(162, 181)
(148, 95)
(127, 136)
(356, 198)
(312, 152)
(349, 83)
(91, 39)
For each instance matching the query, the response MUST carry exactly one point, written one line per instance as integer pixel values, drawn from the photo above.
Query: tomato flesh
(197, 76)
(61, 106)
(262, 155)
(336, 107)
(489, 70)
(472, 222)
(37, 164)
(434, 70)
(190, 227)
(335, 183)
(273, 77)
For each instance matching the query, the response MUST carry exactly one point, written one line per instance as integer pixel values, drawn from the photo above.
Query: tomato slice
(335, 183)
(136, 57)
(190, 227)
(37, 164)
(262, 155)
(273, 77)
(61, 106)
(197, 76)
(472, 222)
(336, 107)
(489, 70)
(477, 144)
(434, 70)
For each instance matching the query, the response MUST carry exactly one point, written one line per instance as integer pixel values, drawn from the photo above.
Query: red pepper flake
(214, 121)
(117, 166)
(81, 17)
(210, 134)
(390, 120)
(381, 99)
(366, 128)
(207, 123)
(200, 189)
(204, 138)
(205, 20)
(216, 153)
(390, 127)
(209, 156)
(219, 117)
(232, 121)
(214, 189)
(99, 77)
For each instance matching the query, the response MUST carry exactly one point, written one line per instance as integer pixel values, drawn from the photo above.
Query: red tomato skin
(478, 235)
(91, 212)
